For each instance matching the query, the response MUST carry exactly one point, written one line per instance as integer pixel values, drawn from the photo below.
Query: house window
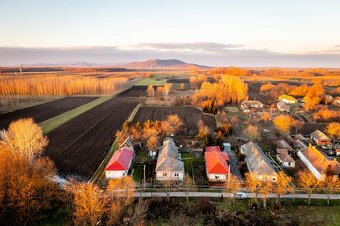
(176, 174)
(217, 177)
(289, 164)
(165, 174)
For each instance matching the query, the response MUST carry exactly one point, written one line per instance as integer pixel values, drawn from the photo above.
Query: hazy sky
(240, 33)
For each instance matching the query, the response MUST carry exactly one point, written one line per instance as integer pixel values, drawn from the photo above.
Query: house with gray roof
(169, 165)
(258, 163)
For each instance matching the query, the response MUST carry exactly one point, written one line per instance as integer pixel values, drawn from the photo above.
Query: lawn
(58, 120)
(137, 172)
(317, 214)
(152, 81)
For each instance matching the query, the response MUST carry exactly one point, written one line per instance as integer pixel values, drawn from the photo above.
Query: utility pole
(228, 175)
(144, 177)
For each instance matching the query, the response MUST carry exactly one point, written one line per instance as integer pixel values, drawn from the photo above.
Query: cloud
(194, 47)
(205, 53)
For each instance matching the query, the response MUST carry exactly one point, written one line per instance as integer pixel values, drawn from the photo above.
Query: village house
(283, 107)
(169, 165)
(287, 99)
(319, 138)
(298, 144)
(120, 163)
(285, 159)
(258, 163)
(319, 163)
(251, 105)
(282, 145)
(216, 162)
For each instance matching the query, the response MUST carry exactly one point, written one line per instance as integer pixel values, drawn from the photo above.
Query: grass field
(152, 81)
(58, 120)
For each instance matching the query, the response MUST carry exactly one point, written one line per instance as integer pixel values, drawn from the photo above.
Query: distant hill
(161, 64)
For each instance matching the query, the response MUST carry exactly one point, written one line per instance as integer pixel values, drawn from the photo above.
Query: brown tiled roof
(320, 160)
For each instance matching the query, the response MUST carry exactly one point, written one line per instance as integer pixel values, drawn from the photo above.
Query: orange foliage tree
(59, 85)
(227, 90)
(284, 123)
(25, 138)
(333, 129)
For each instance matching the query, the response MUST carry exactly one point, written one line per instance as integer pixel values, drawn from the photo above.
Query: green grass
(152, 81)
(137, 172)
(58, 120)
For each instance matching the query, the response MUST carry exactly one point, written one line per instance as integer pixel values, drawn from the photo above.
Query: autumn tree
(308, 183)
(265, 116)
(283, 123)
(265, 189)
(25, 138)
(314, 96)
(233, 185)
(188, 185)
(89, 204)
(283, 185)
(27, 193)
(333, 129)
(330, 185)
(253, 184)
(252, 132)
(150, 91)
(171, 124)
(121, 192)
(167, 89)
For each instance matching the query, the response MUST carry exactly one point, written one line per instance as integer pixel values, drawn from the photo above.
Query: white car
(240, 195)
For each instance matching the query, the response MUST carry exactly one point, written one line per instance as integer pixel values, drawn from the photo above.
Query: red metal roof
(216, 162)
(212, 148)
(120, 160)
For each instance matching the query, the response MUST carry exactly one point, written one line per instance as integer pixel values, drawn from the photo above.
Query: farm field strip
(89, 129)
(152, 81)
(80, 155)
(58, 120)
(44, 111)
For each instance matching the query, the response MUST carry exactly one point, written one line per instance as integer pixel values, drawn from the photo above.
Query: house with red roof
(120, 163)
(216, 162)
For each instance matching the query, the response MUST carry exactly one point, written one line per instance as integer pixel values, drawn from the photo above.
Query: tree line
(59, 85)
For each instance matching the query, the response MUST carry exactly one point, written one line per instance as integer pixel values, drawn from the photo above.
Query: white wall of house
(263, 177)
(286, 164)
(217, 177)
(288, 101)
(289, 164)
(167, 175)
(112, 174)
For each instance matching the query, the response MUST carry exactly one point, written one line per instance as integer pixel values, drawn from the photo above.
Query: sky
(247, 33)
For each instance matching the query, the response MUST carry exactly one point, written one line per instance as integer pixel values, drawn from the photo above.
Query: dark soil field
(135, 91)
(44, 111)
(189, 115)
(78, 146)
(178, 80)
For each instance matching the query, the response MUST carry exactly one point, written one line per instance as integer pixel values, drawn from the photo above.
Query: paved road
(218, 194)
